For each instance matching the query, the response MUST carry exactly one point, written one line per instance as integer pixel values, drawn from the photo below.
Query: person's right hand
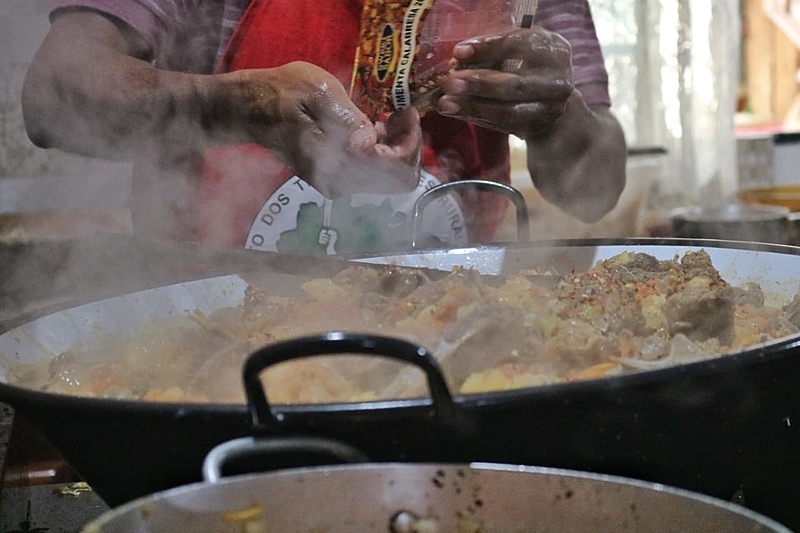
(304, 116)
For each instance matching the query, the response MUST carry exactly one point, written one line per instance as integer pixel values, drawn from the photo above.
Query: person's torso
(245, 197)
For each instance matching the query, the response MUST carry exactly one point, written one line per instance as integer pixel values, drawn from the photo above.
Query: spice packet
(405, 47)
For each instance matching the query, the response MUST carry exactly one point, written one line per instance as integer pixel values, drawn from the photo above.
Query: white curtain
(674, 72)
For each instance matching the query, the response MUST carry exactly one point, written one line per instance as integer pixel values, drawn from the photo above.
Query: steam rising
(166, 189)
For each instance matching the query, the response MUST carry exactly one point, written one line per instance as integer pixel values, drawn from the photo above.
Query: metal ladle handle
(425, 199)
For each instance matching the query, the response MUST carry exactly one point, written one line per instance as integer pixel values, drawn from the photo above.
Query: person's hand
(576, 153)
(305, 117)
(524, 100)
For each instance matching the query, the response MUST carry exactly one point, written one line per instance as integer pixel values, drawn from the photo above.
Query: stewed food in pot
(629, 313)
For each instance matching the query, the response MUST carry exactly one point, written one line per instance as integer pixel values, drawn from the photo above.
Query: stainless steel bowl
(736, 222)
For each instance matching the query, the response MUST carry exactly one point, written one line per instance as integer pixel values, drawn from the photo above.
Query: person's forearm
(579, 163)
(95, 99)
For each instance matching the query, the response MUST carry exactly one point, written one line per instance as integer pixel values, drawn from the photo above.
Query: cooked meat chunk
(792, 311)
(750, 293)
(698, 264)
(635, 267)
(388, 281)
(259, 303)
(679, 350)
(702, 313)
(599, 298)
(654, 348)
(488, 335)
(575, 340)
(260, 314)
(460, 276)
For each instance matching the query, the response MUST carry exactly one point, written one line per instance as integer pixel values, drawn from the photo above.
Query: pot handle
(247, 447)
(337, 343)
(523, 226)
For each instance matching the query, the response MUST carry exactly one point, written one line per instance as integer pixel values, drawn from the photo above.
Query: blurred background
(47, 193)
(707, 93)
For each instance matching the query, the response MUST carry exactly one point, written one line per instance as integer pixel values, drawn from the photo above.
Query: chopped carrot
(593, 372)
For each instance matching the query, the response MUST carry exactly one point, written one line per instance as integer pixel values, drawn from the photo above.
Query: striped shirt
(191, 35)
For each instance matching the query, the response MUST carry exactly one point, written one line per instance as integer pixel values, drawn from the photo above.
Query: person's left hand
(523, 101)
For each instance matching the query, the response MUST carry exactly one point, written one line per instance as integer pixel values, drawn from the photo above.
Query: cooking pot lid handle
(337, 343)
(523, 227)
(251, 447)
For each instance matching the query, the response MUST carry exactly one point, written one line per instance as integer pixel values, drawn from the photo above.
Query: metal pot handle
(246, 447)
(523, 227)
(338, 343)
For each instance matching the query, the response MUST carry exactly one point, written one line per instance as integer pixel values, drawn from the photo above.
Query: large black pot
(713, 427)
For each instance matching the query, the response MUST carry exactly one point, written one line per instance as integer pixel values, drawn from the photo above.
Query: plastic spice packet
(406, 47)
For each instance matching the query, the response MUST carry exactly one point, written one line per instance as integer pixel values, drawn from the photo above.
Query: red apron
(237, 181)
